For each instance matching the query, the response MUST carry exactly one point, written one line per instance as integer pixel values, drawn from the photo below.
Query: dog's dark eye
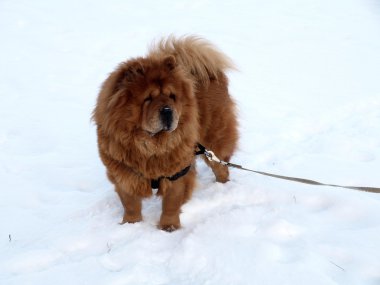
(172, 96)
(148, 99)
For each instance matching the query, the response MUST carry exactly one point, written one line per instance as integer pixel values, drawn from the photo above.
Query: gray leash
(212, 157)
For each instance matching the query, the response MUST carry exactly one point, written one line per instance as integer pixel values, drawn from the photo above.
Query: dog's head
(152, 94)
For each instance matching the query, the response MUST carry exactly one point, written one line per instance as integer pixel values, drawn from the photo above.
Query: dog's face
(153, 95)
(161, 108)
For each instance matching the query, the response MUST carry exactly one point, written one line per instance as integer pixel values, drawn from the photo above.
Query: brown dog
(151, 113)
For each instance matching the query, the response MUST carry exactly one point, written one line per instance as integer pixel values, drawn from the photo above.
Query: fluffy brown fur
(150, 114)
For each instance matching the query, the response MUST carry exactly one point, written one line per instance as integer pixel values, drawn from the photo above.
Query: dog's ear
(134, 69)
(170, 63)
(126, 72)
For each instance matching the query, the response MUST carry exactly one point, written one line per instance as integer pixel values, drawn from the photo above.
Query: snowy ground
(308, 91)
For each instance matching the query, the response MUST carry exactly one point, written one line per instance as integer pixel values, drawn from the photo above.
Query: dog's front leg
(131, 190)
(172, 200)
(132, 207)
(175, 193)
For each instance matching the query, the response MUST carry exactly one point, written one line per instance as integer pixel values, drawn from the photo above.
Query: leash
(212, 157)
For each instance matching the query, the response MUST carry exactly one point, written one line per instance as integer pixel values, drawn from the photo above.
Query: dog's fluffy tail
(198, 56)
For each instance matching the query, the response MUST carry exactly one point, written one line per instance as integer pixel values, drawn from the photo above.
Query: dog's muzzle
(166, 117)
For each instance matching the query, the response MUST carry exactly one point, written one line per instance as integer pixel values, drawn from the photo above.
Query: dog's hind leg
(220, 171)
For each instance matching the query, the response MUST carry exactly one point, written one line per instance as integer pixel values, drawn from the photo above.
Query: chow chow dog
(151, 113)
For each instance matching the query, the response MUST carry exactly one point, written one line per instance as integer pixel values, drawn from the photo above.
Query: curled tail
(201, 58)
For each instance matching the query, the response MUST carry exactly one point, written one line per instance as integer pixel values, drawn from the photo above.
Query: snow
(308, 92)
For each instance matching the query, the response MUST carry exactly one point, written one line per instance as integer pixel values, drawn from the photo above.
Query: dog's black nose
(166, 115)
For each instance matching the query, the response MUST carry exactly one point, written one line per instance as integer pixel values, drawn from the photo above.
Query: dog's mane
(198, 56)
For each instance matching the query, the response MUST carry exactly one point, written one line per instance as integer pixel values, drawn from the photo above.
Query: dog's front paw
(131, 219)
(169, 223)
(169, 228)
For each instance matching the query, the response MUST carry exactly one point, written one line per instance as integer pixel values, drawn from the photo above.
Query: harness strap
(201, 150)
(155, 183)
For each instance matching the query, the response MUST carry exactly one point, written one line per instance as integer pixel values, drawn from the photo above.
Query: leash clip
(212, 157)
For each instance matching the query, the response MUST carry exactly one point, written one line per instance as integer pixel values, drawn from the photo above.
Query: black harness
(155, 183)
